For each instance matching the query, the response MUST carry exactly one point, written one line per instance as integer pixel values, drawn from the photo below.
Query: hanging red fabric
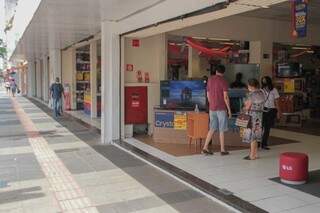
(222, 53)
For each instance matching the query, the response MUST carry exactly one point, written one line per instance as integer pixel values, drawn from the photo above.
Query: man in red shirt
(219, 105)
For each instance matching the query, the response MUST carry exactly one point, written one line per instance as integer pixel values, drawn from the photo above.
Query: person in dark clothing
(237, 84)
(56, 92)
(271, 109)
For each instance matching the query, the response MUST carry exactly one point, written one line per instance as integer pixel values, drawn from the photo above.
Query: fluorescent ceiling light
(300, 48)
(200, 38)
(219, 39)
(227, 43)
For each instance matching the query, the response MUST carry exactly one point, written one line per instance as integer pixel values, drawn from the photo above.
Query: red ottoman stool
(293, 168)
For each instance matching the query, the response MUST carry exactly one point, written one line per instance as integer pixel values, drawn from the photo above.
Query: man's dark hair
(239, 76)
(253, 83)
(220, 69)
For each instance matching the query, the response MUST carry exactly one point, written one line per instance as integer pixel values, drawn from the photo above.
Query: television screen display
(183, 94)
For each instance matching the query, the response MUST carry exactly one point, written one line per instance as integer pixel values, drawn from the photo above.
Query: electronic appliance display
(289, 70)
(183, 94)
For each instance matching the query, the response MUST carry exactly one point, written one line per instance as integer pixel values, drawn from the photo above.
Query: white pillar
(45, 83)
(31, 78)
(55, 64)
(110, 76)
(38, 78)
(93, 78)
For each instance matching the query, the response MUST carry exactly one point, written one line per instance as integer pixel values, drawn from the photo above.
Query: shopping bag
(243, 120)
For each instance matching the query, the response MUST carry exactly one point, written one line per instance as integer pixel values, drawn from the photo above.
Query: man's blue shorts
(219, 121)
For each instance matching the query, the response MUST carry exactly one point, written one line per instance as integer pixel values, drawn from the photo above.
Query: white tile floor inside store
(249, 180)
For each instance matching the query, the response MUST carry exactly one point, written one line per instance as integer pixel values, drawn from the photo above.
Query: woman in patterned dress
(254, 107)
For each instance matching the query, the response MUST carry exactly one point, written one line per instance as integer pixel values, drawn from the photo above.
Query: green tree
(3, 49)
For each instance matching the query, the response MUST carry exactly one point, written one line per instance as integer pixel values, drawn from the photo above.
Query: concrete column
(193, 63)
(110, 76)
(93, 78)
(45, 83)
(55, 64)
(38, 78)
(31, 78)
(266, 62)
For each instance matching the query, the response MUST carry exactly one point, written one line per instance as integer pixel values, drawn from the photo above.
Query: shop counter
(171, 127)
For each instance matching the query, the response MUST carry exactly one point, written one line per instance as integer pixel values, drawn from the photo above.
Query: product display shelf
(82, 79)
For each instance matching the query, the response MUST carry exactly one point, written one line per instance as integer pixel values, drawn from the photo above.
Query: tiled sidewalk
(47, 167)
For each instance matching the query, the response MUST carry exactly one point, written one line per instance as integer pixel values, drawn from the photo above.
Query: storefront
(81, 78)
(165, 76)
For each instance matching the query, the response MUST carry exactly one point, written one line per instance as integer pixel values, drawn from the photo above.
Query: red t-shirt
(215, 87)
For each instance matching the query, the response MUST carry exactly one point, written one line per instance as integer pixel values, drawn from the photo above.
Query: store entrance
(87, 83)
(166, 75)
(83, 97)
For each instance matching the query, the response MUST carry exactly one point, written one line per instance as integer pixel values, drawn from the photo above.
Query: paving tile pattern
(68, 193)
(57, 165)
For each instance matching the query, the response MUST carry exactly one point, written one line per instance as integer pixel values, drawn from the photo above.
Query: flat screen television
(289, 70)
(183, 94)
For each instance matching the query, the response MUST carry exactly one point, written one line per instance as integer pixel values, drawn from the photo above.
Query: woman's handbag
(243, 120)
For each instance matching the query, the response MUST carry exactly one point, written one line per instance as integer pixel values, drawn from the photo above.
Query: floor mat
(311, 187)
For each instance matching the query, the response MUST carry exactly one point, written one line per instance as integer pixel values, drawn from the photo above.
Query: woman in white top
(271, 109)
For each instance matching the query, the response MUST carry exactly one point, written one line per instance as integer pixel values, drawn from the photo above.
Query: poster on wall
(180, 121)
(299, 18)
(164, 119)
(289, 86)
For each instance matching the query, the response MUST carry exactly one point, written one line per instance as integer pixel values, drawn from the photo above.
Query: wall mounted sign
(129, 67)
(164, 119)
(139, 76)
(135, 42)
(299, 18)
(146, 77)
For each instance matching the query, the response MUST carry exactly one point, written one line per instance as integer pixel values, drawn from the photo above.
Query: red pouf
(293, 168)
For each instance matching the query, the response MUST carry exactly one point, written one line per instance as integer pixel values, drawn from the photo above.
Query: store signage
(129, 67)
(289, 86)
(180, 121)
(135, 42)
(135, 103)
(164, 119)
(299, 18)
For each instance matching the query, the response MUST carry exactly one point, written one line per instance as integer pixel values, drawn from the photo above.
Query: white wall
(149, 57)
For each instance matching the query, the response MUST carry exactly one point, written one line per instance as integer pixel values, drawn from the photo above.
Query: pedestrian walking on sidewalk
(56, 92)
(219, 106)
(13, 87)
(7, 86)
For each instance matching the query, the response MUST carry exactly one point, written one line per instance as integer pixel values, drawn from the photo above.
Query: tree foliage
(3, 49)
